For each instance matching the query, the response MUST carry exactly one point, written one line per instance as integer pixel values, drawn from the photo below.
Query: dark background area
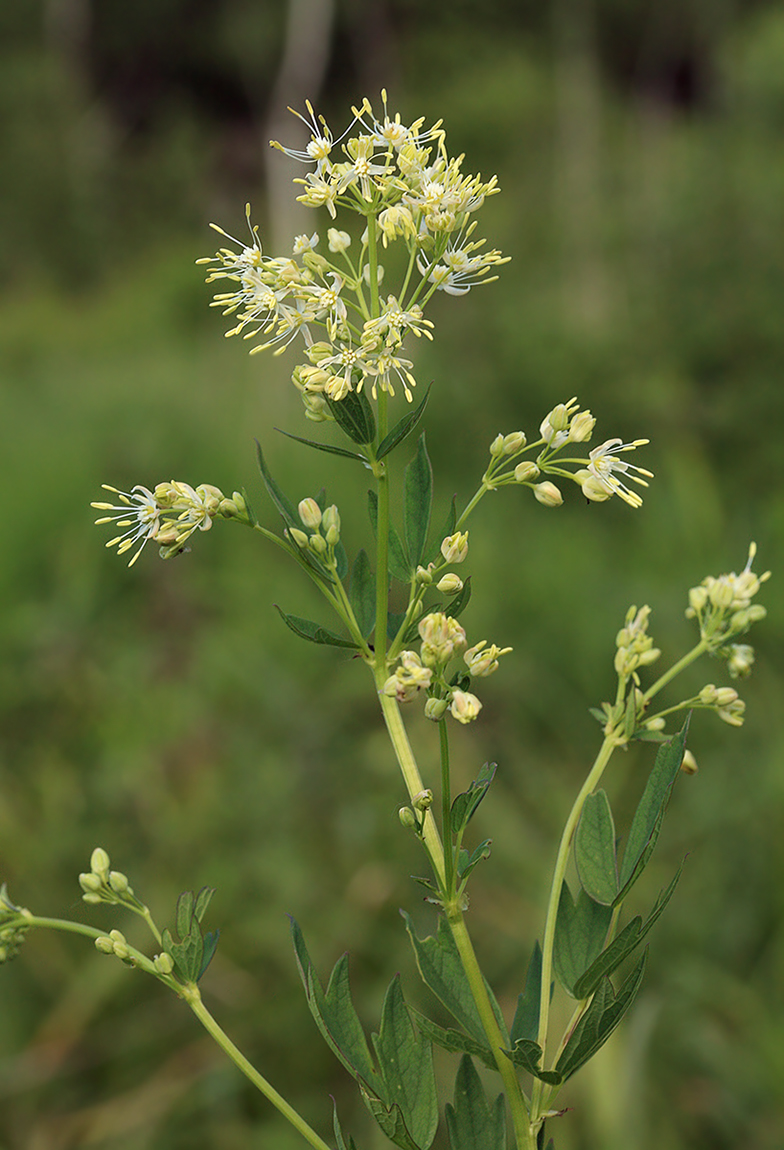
(166, 714)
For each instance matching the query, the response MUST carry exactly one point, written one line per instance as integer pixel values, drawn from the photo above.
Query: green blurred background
(166, 714)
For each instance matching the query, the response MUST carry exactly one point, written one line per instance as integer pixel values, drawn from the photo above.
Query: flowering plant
(412, 197)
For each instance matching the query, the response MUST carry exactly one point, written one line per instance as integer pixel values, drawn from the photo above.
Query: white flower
(605, 466)
(138, 512)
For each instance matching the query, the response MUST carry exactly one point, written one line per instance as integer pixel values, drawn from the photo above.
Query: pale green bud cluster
(634, 645)
(101, 884)
(724, 609)
(443, 639)
(14, 925)
(600, 476)
(323, 526)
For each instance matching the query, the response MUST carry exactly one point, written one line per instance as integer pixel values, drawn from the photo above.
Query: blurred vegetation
(166, 714)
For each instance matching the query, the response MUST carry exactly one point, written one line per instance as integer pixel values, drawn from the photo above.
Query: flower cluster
(443, 639)
(601, 475)
(102, 884)
(324, 528)
(169, 515)
(723, 608)
(400, 179)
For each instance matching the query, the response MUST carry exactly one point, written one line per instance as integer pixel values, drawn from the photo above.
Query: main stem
(559, 871)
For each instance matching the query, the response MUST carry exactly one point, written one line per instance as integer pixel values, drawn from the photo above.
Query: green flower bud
(514, 442)
(298, 537)
(90, 882)
(119, 882)
(497, 446)
(104, 944)
(333, 536)
(548, 494)
(526, 471)
(318, 544)
(407, 818)
(310, 513)
(435, 709)
(163, 963)
(100, 863)
(331, 518)
(423, 576)
(423, 801)
(450, 584)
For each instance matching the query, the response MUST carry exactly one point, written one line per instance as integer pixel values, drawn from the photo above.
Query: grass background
(166, 714)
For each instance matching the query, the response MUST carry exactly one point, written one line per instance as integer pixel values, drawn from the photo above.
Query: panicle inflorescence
(401, 180)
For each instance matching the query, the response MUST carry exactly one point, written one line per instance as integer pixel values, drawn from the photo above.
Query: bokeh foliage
(166, 714)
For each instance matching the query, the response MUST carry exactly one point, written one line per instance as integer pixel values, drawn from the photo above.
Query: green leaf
(330, 450)
(525, 1023)
(599, 1021)
(203, 901)
(594, 850)
(336, 1017)
(464, 805)
(403, 428)
(390, 1119)
(650, 812)
(340, 1139)
(362, 593)
(528, 1054)
(448, 528)
(418, 501)
(580, 933)
(354, 415)
(314, 632)
(454, 1040)
(466, 862)
(405, 1061)
(474, 1124)
(184, 916)
(341, 561)
(440, 967)
(210, 942)
(192, 954)
(626, 942)
(455, 608)
(283, 504)
(399, 566)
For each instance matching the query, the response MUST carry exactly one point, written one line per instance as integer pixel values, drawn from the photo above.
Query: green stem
(525, 1134)
(446, 808)
(548, 942)
(193, 997)
(676, 668)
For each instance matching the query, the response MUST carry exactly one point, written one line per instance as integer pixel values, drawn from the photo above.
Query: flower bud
(100, 863)
(338, 241)
(513, 442)
(455, 547)
(526, 471)
(464, 707)
(119, 882)
(104, 944)
(90, 883)
(497, 446)
(435, 709)
(548, 494)
(407, 818)
(689, 764)
(450, 584)
(163, 963)
(298, 537)
(423, 576)
(318, 544)
(581, 427)
(423, 801)
(310, 513)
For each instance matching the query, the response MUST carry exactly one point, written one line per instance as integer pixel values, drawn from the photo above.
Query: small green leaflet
(464, 805)
(354, 415)
(314, 632)
(606, 1009)
(327, 447)
(194, 952)
(403, 428)
(580, 932)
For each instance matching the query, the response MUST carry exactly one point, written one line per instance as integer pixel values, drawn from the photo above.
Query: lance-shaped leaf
(594, 850)
(466, 862)
(336, 1017)
(399, 567)
(458, 604)
(340, 1137)
(447, 528)
(527, 1055)
(327, 447)
(440, 967)
(473, 1123)
(402, 428)
(464, 805)
(525, 1023)
(418, 501)
(281, 501)
(580, 932)
(605, 1011)
(650, 812)
(354, 415)
(362, 593)
(455, 1041)
(626, 942)
(405, 1060)
(314, 632)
